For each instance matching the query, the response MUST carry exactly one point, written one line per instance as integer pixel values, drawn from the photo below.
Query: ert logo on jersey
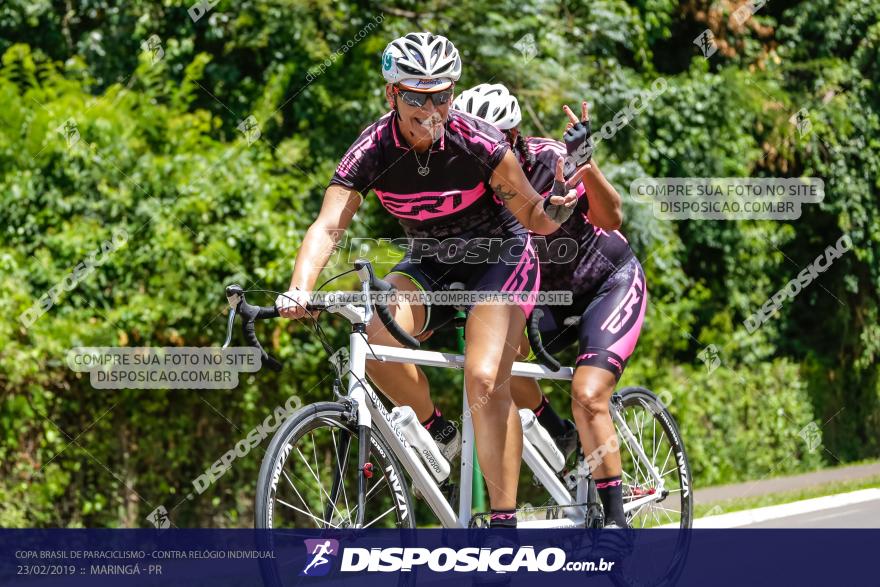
(321, 551)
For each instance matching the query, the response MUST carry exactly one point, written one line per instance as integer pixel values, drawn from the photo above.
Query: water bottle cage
(571, 479)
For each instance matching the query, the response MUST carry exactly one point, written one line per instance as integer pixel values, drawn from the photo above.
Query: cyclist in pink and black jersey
(443, 174)
(606, 281)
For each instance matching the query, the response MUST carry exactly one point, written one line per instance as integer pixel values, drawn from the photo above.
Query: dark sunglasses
(419, 99)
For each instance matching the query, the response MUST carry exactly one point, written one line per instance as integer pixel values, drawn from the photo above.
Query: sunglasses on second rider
(419, 99)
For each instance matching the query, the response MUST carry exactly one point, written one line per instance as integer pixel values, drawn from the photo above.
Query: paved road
(859, 515)
(783, 484)
(854, 509)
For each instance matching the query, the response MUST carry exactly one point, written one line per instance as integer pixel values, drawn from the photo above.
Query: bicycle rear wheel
(655, 430)
(309, 476)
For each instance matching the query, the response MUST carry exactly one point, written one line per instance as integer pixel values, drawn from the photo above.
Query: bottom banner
(438, 557)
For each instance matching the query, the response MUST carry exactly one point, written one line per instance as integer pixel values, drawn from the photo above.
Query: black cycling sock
(502, 519)
(611, 493)
(441, 429)
(549, 419)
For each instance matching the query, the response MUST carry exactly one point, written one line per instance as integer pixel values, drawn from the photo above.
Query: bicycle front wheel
(309, 476)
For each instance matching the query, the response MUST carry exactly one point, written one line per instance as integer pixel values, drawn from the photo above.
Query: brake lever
(229, 324)
(234, 295)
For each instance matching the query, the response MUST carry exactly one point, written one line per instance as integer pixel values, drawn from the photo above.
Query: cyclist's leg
(403, 383)
(525, 391)
(494, 332)
(527, 394)
(609, 329)
(591, 393)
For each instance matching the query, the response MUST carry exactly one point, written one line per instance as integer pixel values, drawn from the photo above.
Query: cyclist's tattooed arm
(502, 193)
(510, 184)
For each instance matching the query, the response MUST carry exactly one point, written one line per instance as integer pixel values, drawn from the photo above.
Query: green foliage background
(160, 155)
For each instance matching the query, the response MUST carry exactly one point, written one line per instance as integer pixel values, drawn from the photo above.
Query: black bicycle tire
(630, 396)
(293, 428)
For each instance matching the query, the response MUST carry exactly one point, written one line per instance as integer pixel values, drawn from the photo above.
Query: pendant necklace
(423, 169)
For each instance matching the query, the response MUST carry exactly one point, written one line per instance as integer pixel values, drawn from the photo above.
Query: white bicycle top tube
(454, 361)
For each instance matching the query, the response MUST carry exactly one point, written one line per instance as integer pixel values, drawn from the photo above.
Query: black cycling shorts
(609, 325)
(515, 272)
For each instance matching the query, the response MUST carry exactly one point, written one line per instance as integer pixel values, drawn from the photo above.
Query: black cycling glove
(578, 144)
(558, 213)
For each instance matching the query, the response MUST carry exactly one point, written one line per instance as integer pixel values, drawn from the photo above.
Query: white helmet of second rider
(422, 62)
(491, 102)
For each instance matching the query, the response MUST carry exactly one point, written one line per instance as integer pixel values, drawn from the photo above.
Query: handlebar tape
(399, 334)
(250, 314)
(534, 335)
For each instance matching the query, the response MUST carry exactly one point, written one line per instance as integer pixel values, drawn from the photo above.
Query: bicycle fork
(371, 413)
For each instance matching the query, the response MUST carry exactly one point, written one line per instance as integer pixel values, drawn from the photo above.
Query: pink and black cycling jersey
(607, 282)
(600, 252)
(454, 199)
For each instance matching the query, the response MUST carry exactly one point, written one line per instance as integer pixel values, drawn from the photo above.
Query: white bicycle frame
(372, 414)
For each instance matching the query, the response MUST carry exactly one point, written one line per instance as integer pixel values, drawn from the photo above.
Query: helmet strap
(394, 106)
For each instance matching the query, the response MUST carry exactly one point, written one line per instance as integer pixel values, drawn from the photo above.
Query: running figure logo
(319, 551)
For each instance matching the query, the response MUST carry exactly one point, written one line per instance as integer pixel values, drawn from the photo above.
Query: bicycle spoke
(634, 458)
(388, 511)
(639, 512)
(320, 486)
(317, 469)
(666, 510)
(321, 497)
(654, 440)
(340, 466)
(283, 472)
(654, 516)
(674, 466)
(666, 460)
(293, 507)
(641, 425)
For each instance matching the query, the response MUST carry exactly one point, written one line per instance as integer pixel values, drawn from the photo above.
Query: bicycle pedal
(479, 520)
(595, 516)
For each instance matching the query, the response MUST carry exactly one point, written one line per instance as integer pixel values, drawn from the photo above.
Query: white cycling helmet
(491, 102)
(421, 62)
